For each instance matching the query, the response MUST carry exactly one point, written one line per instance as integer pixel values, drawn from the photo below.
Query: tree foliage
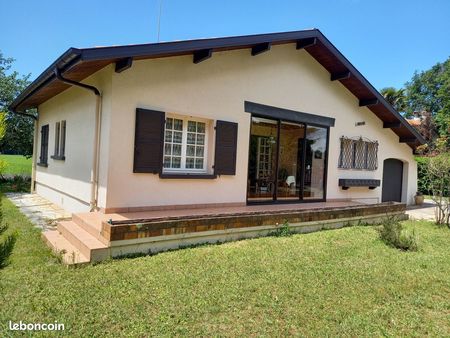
(430, 91)
(18, 130)
(396, 97)
(438, 181)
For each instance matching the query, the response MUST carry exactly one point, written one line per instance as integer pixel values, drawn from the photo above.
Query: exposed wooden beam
(261, 48)
(340, 76)
(202, 55)
(369, 102)
(407, 140)
(392, 124)
(304, 43)
(123, 64)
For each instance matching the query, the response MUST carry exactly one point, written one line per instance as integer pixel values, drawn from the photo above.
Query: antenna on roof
(159, 17)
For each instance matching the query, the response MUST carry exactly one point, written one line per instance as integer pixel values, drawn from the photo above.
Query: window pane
(200, 139)
(199, 163)
(176, 149)
(177, 137)
(178, 124)
(190, 138)
(192, 126)
(189, 162)
(359, 154)
(176, 162)
(169, 123)
(190, 150)
(166, 162)
(167, 149)
(200, 127)
(199, 151)
(168, 136)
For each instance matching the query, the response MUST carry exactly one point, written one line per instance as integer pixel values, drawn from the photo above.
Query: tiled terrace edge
(163, 226)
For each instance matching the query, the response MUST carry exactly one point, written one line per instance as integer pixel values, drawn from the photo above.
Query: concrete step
(91, 223)
(88, 245)
(70, 255)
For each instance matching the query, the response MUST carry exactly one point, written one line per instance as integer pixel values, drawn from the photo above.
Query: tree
(396, 97)
(438, 181)
(430, 91)
(18, 134)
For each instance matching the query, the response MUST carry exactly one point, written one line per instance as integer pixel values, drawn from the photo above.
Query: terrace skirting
(160, 234)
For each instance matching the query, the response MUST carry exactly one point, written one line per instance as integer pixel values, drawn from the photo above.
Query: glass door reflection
(316, 146)
(290, 161)
(262, 159)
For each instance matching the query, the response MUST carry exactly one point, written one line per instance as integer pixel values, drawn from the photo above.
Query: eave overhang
(77, 64)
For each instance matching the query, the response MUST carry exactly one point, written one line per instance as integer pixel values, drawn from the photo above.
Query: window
(185, 144)
(358, 154)
(60, 141)
(44, 146)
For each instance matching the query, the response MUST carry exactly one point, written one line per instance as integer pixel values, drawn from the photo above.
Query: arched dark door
(392, 180)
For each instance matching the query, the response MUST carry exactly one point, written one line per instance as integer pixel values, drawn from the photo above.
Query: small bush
(17, 183)
(422, 177)
(3, 166)
(7, 244)
(283, 231)
(392, 234)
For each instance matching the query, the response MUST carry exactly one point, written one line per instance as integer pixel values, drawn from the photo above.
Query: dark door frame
(300, 199)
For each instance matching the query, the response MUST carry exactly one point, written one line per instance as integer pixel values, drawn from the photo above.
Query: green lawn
(17, 164)
(332, 283)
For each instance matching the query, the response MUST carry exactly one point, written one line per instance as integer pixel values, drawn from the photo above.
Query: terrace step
(88, 245)
(92, 223)
(70, 255)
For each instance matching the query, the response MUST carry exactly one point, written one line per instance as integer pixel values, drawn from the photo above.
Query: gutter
(96, 153)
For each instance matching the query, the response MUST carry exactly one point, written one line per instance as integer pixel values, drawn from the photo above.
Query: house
(217, 124)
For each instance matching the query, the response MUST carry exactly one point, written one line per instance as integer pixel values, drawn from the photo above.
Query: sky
(385, 40)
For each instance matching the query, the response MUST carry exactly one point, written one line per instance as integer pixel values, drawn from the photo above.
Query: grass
(343, 282)
(17, 165)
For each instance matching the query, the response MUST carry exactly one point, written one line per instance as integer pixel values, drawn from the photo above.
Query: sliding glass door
(262, 159)
(290, 161)
(287, 161)
(315, 170)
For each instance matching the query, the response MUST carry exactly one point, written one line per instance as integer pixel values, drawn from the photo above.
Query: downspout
(35, 138)
(34, 159)
(96, 153)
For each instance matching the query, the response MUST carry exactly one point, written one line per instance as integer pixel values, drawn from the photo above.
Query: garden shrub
(7, 243)
(6, 248)
(3, 166)
(422, 177)
(283, 231)
(438, 179)
(17, 183)
(393, 234)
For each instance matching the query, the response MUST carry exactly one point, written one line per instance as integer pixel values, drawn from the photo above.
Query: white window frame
(184, 145)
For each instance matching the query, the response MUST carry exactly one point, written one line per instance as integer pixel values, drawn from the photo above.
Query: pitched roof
(77, 64)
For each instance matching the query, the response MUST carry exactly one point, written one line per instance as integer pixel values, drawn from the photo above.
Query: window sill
(187, 176)
(57, 157)
(42, 164)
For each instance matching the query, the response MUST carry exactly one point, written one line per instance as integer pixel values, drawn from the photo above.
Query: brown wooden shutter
(62, 149)
(226, 146)
(44, 145)
(148, 141)
(57, 132)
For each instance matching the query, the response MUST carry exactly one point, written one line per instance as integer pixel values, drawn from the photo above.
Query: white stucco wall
(68, 183)
(216, 89)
